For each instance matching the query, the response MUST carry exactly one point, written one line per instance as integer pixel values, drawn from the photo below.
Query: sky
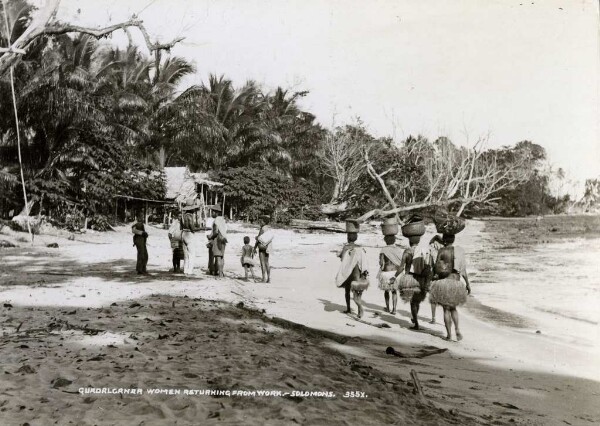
(513, 70)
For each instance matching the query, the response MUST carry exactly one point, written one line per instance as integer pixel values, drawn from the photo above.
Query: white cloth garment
(189, 251)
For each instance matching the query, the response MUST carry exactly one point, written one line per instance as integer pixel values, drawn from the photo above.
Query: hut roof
(202, 178)
(181, 184)
(175, 176)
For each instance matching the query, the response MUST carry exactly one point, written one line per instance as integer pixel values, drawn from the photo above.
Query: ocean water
(551, 287)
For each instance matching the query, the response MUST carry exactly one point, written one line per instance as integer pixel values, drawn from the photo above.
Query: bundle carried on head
(446, 223)
(414, 227)
(389, 226)
(352, 226)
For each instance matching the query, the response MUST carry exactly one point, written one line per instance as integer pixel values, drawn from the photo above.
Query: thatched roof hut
(185, 187)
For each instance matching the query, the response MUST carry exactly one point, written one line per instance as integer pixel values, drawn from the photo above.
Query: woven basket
(389, 226)
(448, 224)
(352, 225)
(415, 229)
(359, 285)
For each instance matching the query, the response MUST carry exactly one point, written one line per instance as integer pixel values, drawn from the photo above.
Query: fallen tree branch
(408, 207)
(379, 179)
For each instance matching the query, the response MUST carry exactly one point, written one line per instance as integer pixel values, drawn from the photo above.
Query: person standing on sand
(189, 228)
(218, 237)
(175, 237)
(247, 258)
(353, 272)
(448, 290)
(139, 241)
(211, 259)
(263, 244)
(390, 263)
(435, 244)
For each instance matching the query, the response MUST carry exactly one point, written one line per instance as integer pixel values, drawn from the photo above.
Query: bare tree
(452, 175)
(342, 160)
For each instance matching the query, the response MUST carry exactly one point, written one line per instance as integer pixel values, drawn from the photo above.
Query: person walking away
(390, 263)
(188, 236)
(139, 241)
(413, 283)
(449, 291)
(247, 258)
(264, 241)
(175, 238)
(435, 244)
(353, 272)
(218, 237)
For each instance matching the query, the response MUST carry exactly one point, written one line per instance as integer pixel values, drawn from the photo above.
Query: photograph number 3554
(314, 212)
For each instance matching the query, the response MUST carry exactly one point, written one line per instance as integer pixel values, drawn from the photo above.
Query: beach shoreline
(495, 367)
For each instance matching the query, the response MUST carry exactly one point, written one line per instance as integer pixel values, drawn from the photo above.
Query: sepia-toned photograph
(299, 212)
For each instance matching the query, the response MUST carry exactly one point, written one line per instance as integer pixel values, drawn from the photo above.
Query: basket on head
(352, 226)
(449, 224)
(414, 229)
(389, 226)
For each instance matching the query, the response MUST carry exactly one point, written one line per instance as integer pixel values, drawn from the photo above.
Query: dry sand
(502, 372)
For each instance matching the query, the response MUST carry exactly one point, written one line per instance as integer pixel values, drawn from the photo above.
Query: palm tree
(223, 127)
(302, 137)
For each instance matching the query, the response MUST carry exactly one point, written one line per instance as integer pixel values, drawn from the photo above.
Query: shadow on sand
(376, 313)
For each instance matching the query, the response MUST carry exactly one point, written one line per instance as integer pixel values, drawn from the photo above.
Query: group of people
(183, 240)
(437, 267)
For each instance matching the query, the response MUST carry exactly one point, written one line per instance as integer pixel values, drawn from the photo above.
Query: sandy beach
(529, 356)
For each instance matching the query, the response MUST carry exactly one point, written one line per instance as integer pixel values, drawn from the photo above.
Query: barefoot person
(190, 225)
(218, 237)
(390, 264)
(212, 270)
(414, 282)
(435, 244)
(352, 275)
(448, 290)
(264, 241)
(175, 237)
(247, 258)
(139, 241)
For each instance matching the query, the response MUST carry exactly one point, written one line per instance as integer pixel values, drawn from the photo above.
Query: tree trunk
(336, 193)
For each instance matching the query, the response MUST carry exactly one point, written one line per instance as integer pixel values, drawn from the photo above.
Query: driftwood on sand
(315, 225)
(418, 389)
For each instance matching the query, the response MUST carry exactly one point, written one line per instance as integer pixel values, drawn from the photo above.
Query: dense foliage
(98, 121)
(257, 191)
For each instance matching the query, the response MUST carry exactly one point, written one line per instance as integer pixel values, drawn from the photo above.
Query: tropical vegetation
(98, 122)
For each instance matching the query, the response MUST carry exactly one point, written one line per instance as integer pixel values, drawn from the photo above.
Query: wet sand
(501, 373)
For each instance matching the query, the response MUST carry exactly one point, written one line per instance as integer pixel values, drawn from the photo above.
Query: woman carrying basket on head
(413, 282)
(353, 272)
(390, 264)
(448, 289)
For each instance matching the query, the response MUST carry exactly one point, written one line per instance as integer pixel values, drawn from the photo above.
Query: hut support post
(223, 208)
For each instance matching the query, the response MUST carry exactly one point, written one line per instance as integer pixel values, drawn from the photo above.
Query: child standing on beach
(246, 259)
